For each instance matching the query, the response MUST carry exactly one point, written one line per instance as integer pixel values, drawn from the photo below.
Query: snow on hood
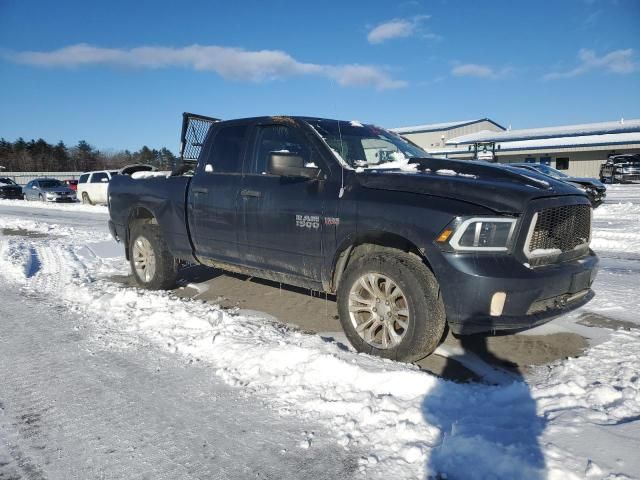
(503, 190)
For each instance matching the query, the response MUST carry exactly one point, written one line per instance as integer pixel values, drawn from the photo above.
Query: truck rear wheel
(152, 264)
(390, 306)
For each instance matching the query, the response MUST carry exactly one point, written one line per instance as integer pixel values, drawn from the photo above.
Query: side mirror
(34, 187)
(288, 164)
(104, 180)
(208, 168)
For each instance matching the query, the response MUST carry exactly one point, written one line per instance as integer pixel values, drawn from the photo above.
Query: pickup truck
(410, 245)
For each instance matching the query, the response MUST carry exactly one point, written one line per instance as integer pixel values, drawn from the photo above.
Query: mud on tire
(152, 264)
(408, 297)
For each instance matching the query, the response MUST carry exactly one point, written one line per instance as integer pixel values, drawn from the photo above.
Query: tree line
(41, 156)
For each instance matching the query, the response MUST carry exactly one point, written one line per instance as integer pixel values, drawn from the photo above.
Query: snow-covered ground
(577, 418)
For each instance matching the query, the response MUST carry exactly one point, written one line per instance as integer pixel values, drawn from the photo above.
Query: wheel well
(137, 216)
(367, 244)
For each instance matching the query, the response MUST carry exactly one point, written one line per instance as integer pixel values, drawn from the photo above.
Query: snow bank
(573, 419)
(73, 207)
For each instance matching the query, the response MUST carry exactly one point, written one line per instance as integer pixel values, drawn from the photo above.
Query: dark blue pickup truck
(410, 245)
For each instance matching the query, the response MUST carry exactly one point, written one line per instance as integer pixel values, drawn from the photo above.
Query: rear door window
(97, 177)
(83, 178)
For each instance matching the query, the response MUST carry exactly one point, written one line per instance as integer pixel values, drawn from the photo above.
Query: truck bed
(164, 197)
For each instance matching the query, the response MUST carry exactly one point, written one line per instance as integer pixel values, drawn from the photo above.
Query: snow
(575, 418)
(149, 174)
(70, 207)
(541, 252)
(547, 142)
(575, 141)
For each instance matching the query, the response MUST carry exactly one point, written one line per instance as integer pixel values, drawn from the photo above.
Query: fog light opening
(497, 303)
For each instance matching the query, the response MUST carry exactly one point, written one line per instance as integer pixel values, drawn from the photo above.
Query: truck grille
(559, 230)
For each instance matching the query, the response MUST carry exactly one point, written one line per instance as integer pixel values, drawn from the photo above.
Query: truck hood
(500, 188)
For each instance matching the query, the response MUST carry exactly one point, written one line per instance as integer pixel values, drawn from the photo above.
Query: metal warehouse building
(579, 150)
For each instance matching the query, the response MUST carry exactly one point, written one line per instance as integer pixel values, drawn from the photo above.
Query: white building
(577, 149)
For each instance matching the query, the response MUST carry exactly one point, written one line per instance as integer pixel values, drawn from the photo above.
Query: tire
(425, 319)
(24, 197)
(162, 275)
(85, 199)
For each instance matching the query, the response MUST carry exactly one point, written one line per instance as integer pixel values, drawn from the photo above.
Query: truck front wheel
(390, 305)
(152, 264)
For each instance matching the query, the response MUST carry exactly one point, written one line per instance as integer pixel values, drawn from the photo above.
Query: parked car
(410, 244)
(621, 169)
(9, 189)
(594, 189)
(92, 186)
(48, 190)
(72, 184)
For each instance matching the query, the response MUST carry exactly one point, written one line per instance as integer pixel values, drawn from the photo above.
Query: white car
(92, 186)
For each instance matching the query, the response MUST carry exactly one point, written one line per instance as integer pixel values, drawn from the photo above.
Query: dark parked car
(621, 169)
(9, 189)
(595, 189)
(410, 244)
(48, 190)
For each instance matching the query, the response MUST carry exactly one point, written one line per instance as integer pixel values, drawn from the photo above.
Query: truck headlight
(478, 234)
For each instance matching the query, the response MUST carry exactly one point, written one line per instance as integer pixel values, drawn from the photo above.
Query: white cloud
(480, 71)
(228, 62)
(398, 28)
(618, 61)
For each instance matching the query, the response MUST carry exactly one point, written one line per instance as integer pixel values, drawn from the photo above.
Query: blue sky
(119, 73)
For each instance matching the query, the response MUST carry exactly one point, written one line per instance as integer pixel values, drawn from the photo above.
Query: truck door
(282, 216)
(213, 195)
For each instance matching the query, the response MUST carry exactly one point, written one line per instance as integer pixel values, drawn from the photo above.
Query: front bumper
(68, 199)
(627, 177)
(11, 195)
(533, 295)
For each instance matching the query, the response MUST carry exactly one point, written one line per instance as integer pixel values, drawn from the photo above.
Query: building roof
(626, 138)
(551, 133)
(435, 127)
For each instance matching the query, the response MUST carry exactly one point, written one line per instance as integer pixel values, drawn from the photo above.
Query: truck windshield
(366, 146)
(552, 172)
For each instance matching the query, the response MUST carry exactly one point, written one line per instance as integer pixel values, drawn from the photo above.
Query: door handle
(250, 193)
(200, 190)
